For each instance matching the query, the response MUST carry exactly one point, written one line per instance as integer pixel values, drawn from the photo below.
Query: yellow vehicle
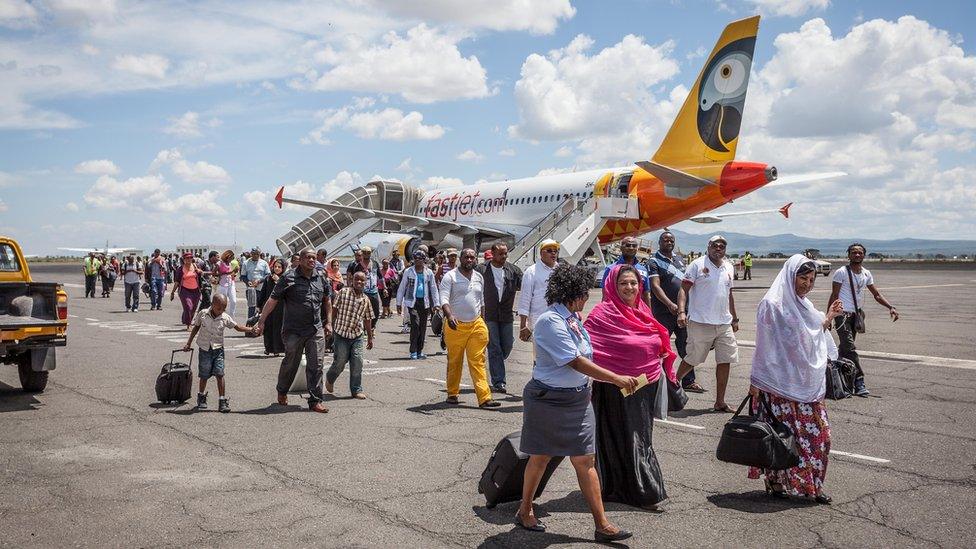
(33, 319)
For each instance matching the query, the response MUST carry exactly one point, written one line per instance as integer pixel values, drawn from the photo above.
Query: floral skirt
(808, 421)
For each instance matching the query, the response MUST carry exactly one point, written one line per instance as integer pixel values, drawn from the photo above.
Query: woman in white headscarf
(793, 345)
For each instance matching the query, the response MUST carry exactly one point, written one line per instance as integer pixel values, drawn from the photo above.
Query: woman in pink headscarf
(627, 340)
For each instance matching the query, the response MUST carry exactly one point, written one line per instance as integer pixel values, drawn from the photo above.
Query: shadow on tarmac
(443, 405)
(517, 537)
(756, 502)
(14, 399)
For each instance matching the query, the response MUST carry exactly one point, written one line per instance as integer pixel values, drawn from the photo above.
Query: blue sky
(154, 124)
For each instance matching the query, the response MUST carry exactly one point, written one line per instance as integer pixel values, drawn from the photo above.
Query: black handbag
(859, 326)
(748, 440)
(677, 398)
(836, 389)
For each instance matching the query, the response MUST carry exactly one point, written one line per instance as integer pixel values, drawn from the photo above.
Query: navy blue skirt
(557, 422)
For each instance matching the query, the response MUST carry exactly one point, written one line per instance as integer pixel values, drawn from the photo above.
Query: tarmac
(95, 461)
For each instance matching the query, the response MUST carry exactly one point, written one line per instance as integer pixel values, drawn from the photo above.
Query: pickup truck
(33, 319)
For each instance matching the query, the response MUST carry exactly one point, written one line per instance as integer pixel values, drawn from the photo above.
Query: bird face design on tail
(722, 94)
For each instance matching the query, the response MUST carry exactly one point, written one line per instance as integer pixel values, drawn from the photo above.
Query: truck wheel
(31, 381)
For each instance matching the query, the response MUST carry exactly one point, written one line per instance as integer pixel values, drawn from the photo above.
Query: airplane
(105, 251)
(693, 172)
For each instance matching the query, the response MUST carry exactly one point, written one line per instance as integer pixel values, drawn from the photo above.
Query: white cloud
(789, 8)
(97, 167)
(563, 152)
(196, 172)
(506, 152)
(260, 203)
(17, 14)
(436, 182)
(149, 194)
(423, 66)
(143, 65)
(71, 207)
(563, 95)
(188, 125)
(3, 206)
(537, 16)
(387, 124)
(470, 156)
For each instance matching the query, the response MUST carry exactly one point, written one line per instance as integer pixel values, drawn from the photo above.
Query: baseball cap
(549, 243)
(717, 238)
(367, 249)
(452, 251)
(419, 254)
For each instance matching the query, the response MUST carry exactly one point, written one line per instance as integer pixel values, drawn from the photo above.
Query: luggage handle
(172, 357)
(763, 402)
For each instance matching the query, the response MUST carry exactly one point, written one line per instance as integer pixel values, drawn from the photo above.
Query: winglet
(280, 196)
(785, 210)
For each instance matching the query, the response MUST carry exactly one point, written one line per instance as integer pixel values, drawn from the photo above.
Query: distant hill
(791, 243)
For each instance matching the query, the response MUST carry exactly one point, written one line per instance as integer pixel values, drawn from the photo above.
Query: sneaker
(860, 390)
(201, 401)
(421, 356)
(223, 406)
(413, 356)
(136, 310)
(500, 388)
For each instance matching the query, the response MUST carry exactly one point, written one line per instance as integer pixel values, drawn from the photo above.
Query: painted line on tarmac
(71, 285)
(921, 360)
(91, 319)
(920, 287)
(441, 381)
(387, 370)
(679, 424)
(859, 456)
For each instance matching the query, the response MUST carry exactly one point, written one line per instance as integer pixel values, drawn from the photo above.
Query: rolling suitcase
(501, 482)
(175, 381)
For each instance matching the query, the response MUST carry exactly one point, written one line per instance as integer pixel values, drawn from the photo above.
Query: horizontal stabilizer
(677, 184)
(715, 218)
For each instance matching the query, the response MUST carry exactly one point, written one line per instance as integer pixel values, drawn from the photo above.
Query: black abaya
(625, 460)
(272, 325)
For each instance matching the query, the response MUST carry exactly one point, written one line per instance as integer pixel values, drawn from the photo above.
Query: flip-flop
(725, 409)
(694, 388)
(537, 527)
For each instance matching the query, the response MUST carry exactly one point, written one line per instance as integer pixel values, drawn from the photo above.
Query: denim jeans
(156, 290)
(501, 336)
(348, 350)
(131, 296)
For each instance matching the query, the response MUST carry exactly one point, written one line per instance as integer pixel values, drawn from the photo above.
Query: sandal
(537, 527)
(694, 388)
(723, 408)
(775, 489)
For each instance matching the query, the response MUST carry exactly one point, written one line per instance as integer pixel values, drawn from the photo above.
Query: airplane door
(621, 185)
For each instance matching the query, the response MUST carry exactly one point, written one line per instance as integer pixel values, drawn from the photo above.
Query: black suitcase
(501, 482)
(840, 375)
(175, 381)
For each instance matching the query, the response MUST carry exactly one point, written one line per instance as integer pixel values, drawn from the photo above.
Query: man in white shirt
(854, 272)
(462, 297)
(532, 299)
(254, 271)
(502, 281)
(706, 307)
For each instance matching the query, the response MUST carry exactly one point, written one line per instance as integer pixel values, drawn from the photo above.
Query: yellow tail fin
(706, 130)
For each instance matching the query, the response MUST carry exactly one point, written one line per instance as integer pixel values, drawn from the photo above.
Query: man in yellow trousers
(466, 334)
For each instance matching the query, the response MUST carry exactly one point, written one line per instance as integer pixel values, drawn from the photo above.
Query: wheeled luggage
(501, 482)
(175, 381)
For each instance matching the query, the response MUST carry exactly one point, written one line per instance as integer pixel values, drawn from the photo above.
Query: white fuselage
(514, 205)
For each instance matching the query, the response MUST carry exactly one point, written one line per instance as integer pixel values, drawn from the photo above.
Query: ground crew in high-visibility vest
(747, 263)
(92, 268)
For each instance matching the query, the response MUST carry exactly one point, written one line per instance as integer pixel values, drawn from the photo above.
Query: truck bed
(28, 305)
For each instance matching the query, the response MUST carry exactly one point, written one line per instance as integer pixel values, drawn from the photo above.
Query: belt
(579, 389)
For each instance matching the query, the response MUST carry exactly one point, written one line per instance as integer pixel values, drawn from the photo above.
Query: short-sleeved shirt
(211, 333)
(131, 272)
(669, 271)
(559, 338)
(465, 296)
(861, 280)
(157, 269)
(708, 298)
(641, 268)
(302, 297)
(350, 313)
(532, 299)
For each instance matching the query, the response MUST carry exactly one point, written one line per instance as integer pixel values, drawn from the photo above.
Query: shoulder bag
(836, 388)
(859, 326)
(749, 440)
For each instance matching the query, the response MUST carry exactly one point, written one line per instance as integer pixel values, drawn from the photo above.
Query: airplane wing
(804, 178)
(677, 184)
(403, 219)
(109, 251)
(715, 218)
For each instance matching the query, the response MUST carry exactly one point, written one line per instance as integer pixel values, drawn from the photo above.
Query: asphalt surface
(95, 461)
